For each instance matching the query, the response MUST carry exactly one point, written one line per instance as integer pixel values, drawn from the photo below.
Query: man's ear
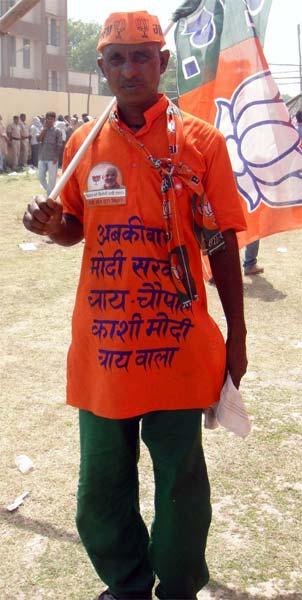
(100, 62)
(164, 59)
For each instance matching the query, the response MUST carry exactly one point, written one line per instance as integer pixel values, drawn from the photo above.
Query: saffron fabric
(135, 348)
(137, 27)
(174, 173)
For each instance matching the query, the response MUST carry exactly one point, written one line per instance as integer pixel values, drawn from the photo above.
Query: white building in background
(34, 53)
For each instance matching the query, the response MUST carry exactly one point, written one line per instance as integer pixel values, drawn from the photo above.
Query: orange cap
(131, 28)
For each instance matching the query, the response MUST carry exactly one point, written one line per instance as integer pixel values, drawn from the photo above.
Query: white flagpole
(81, 151)
(88, 141)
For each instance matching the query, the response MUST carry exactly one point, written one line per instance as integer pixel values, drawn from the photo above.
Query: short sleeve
(71, 197)
(220, 186)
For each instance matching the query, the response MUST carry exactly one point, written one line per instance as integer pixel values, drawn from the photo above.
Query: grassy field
(255, 546)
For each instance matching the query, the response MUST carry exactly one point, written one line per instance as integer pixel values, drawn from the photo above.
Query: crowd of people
(21, 143)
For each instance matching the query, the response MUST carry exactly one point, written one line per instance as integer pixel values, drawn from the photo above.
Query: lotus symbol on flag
(201, 27)
(263, 144)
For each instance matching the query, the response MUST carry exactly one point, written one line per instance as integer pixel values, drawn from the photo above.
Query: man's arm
(45, 217)
(41, 135)
(226, 271)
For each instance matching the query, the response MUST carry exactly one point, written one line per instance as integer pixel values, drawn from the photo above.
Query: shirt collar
(155, 111)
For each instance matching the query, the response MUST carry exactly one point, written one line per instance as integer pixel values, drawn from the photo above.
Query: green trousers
(112, 530)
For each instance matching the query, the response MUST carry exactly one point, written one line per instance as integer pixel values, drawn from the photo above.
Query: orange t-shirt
(134, 348)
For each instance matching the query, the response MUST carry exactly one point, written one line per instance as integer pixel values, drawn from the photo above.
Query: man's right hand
(43, 217)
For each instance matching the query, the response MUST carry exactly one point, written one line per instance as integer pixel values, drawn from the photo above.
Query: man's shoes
(253, 270)
(106, 595)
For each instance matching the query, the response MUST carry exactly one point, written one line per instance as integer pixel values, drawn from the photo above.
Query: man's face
(110, 178)
(23, 118)
(16, 120)
(49, 121)
(133, 72)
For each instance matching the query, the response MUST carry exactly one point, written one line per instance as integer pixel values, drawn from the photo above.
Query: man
(14, 141)
(144, 349)
(250, 263)
(110, 179)
(61, 125)
(35, 130)
(299, 123)
(50, 142)
(25, 137)
(3, 146)
(70, 128)
(86, 117)
(76, 122)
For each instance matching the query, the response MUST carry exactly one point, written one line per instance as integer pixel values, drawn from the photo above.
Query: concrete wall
(32, 103)
(82, 80)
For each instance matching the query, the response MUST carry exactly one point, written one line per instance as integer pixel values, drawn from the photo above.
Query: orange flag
(223, 78)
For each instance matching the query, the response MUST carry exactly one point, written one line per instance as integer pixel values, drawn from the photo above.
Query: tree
(82, 43)
(168, 83)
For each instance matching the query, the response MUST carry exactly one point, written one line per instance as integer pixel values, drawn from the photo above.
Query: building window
(12, 50)
(5, 6)
(53, 32)
(26, 53)
(53, 81)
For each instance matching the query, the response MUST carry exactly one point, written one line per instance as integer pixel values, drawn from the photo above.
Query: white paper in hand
(231, 412)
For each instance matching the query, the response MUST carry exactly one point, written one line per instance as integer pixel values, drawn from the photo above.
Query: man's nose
(130, 69)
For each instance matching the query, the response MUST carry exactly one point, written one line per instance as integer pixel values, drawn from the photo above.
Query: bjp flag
(223, 78)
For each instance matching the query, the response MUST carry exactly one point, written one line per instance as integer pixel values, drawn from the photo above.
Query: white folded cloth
(229, 412)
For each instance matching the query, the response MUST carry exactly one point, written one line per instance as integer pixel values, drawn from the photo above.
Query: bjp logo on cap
(142, 26)
(119, 26)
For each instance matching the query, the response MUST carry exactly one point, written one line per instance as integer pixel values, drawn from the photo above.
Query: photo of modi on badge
(105, 186)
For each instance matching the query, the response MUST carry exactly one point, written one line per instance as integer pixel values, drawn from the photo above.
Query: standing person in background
(14, 141)
(299, 123)
(3, 146)
(70, 128)
(61, 125)
(25, 138)
(150, 371)
(250, 265)
(76, 121)
(50, 142)
(35, 130)
(86, 117)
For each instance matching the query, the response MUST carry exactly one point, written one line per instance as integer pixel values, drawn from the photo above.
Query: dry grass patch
(254, 548)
